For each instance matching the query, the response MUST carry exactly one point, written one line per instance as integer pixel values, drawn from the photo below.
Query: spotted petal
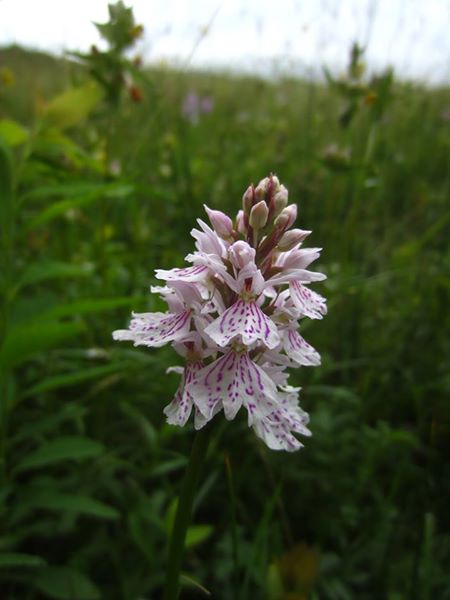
(231, 381)
(247, 320)
(179, 410)
(276, 429)
(189, 274)
(298, 349)
(155, 329)
(309, 303)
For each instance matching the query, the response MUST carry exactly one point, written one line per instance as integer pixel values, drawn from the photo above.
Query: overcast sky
(299, 35)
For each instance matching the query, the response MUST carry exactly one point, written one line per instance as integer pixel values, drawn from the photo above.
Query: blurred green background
(104, 167)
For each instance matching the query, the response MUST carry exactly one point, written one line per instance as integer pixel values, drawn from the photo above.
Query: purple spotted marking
(156, 329)
(179, 410)
(190, 274)
(309, 303)
(299, 350)
(247, 320)
(231, 381)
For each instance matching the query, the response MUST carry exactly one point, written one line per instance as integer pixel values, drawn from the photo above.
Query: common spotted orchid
(233, 316)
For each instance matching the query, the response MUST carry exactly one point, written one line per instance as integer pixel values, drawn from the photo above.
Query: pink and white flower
(233, 317)
(232, 381)
(277, 427)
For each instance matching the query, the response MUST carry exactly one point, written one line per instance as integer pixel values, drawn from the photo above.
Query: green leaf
(61, 207)
(188, 581)
(12, 133)
(148, 430)
(88, 305)
(52, 269)
(50, 143)
(23, 341)
(61, 449)
(73, 106)
(196, 534)
(6, 191)
(69, 190)
(68, 379)
(75, 503)
(65, 583)
(34, 428)
(17, 559)
(168, 467)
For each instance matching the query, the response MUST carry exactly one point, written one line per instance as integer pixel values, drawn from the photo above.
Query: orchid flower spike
(233, 316)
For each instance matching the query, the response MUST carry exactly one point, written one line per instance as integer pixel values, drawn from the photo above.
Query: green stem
(183, 514)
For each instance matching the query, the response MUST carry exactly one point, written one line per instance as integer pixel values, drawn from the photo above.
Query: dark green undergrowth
(102, 185)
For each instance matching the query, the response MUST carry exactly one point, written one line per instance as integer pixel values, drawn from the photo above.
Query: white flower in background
(234, 317)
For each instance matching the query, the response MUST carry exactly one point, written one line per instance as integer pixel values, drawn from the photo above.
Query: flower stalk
(183, 513)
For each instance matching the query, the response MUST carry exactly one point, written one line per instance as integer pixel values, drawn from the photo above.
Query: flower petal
(298, 349)
(309, 303)
(208, 241)
(247, 320)
(155, 329)
(298, 275)
(231, 381)
(195, 273)
(276, 428)
(179, 410)
(275, 436)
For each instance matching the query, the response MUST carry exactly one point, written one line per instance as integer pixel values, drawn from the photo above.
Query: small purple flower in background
(234, 315)
(206, 105)
(195, 105)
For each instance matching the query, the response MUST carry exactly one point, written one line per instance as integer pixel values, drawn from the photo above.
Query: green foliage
(65, 584)
(12, 133)
(97, 191)
(72, 107)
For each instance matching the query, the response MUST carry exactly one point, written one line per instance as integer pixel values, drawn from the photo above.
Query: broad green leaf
(6, 191)
(12, 133)
(50, 269)
(196, 534)
(89, 305)
(73, 106)
(65, 583)
(148, 430)
(75, 503)
(62, 206)
(168, 467)
(169, 519)
(51, 142)
(23, 341)
(68, 379)
(49, 422)
(61, 449)
(333, 391)
(402, 436)
(18, 559)
(69, 190)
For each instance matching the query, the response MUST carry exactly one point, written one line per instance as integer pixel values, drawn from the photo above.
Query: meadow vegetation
(104, 168)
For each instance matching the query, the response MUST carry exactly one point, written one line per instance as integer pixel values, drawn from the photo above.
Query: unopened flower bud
(292, 238)
(240, 253)
(287, 217)
(222, 224)
(275, 183)
(280, 200)
(261, 189)
(240, 222)
(247, 199)
(135, 93)
(258, 215)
